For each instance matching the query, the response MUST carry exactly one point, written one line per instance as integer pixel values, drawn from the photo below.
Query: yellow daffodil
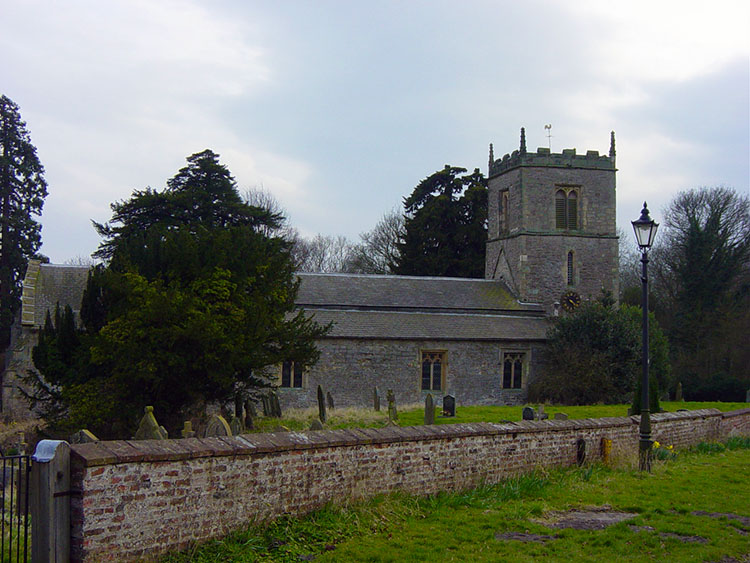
(656, 444)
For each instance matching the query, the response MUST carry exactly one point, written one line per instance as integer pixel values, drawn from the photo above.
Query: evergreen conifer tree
(22, 193)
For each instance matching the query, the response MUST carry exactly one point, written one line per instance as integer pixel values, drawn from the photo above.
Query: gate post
(50, 502)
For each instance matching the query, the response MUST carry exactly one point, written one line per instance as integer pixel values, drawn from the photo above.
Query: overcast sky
(339, 108)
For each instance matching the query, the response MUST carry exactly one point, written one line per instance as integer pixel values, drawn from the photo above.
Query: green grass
(462, 526)
(413, 415)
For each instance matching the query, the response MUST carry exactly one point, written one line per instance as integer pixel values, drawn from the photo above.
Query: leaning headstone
(238, 407)
(527, 413)
(236, 426)
(322, 415)
(266, 405)
(678, 392)
(392, 412)
(429, 410)
(250, 409)
(329, 400)
(149, 429)
(250, 415)
(561, 416)
(376, 399)
(187, 430)
(316, 425)
(275, 405)
(449, 405)
(217, 426)
(83, 436)
(580, 451)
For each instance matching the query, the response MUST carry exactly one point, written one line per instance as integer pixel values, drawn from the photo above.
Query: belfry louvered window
(566, 210)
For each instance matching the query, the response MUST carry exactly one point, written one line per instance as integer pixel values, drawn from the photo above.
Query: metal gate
(15, 527)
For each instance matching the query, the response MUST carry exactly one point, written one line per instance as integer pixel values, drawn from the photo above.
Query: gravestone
(376, 399)
(561, 416)
(187, 430)
(250, 415)
(266, 402)
(83, 436)
(329, 400)
(747, 396)
(250, 409)
(149, 429)
(238, 407)
(236, 426)
(580, 451)
(322, 415)
(449, 405)
(217, 426)
(527, 413)
(541, 415)
(429, 410)
(630, 411)
(392, 412)
(316, 425)
(678, 393)
(275, 406)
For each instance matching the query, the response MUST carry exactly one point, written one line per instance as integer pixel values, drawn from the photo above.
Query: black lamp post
(645, 233)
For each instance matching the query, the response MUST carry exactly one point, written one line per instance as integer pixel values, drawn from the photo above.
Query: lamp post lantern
(645, 233)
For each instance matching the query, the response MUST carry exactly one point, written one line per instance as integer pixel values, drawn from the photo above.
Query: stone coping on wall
(129, 451)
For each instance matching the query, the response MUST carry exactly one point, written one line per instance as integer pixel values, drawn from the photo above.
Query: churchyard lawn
(412, 415)
(692, 507)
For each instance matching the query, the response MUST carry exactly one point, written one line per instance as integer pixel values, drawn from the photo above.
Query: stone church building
(552, 242)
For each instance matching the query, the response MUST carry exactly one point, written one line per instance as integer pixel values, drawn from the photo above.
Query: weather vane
(548, 127)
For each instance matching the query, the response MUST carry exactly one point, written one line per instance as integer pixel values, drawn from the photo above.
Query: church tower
(552, 233)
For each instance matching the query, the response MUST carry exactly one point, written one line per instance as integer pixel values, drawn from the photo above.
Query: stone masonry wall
(141, 499)
(535, 252)
(350, 368)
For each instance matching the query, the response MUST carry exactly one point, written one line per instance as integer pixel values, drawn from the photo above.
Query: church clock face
(570, 301)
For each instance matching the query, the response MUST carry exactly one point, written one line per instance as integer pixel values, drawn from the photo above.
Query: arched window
(571, 276)
(512, 370)
(291, 375)
(566, 210)
(432, 371)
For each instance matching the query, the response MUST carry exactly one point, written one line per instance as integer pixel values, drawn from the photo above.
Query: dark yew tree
(195, 304)
(445, 230)
(22, 193)
(202, 195)
(702, 284)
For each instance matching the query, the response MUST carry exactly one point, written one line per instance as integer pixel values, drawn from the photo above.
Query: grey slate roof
(396, 325)
(53, 283)
(418, 308)
(354, 291)
(359, 306)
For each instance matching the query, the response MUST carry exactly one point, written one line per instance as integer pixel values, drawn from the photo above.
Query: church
(552, 242)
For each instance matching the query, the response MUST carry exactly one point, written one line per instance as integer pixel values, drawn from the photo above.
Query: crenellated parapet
(568, 158)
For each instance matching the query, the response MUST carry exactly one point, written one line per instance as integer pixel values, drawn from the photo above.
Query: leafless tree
(324, 253)
(378, 252)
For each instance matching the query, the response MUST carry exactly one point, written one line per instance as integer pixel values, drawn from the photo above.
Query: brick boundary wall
(141, 499)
